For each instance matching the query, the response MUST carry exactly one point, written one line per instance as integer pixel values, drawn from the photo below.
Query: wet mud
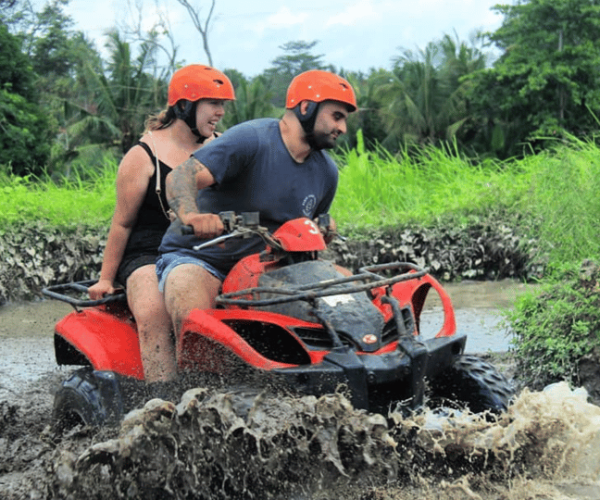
(223, 445)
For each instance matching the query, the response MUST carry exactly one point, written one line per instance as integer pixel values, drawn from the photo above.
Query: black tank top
(151, 212)
(152, 222)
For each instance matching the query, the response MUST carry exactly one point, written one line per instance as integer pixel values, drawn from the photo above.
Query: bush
(35, 255)
(557, 326)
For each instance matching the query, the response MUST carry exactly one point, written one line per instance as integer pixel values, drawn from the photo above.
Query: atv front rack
(72, 293)
(326, 288)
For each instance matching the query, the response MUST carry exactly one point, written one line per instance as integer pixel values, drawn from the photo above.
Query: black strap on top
(157, 189)
(148, 150)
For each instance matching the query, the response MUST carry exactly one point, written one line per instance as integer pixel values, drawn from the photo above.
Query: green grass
(563, 193)
(85, 197)
(553, 196)
(555, 325)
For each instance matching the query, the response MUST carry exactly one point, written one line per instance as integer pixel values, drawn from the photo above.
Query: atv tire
(473, 383)
(88, 398)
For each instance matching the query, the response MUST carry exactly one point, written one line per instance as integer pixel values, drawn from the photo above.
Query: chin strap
(188, 115)
(307, 120)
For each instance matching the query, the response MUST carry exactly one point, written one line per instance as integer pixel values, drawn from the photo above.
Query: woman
(196, 99)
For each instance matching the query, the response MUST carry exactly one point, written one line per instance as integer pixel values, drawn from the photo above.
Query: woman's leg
(153, 324)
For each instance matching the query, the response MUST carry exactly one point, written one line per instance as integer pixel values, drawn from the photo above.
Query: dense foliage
(24, 137)
(57, 87)
(545, 82)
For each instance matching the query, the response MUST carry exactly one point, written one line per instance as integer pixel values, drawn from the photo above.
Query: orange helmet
(319, 86)
(197, 81)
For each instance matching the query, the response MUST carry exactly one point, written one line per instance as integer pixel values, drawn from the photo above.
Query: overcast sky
(353, 34)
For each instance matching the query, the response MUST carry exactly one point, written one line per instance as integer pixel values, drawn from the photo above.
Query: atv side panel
(415, 292)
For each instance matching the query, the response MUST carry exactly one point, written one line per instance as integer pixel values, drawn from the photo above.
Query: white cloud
(358, 13)
(282, 19)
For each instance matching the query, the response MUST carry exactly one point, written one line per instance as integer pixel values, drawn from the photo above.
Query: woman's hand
(101, 288)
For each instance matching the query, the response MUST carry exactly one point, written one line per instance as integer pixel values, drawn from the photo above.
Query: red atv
(284, 318)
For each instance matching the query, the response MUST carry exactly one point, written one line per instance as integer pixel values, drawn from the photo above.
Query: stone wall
(35, 255)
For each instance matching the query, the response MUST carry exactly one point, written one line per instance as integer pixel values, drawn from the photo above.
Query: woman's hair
(161, 120)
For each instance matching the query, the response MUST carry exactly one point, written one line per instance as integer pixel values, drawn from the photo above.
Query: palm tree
(121, 97)
(367, 117)
(423, 99)
(253, 100)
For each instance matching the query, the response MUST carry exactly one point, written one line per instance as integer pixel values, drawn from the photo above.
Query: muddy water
(546, 447)
(26, 342)
(478, 308)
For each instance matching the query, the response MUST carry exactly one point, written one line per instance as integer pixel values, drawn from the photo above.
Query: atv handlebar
(245, 225)
(325, 288)
(231, 221)
(65, 293)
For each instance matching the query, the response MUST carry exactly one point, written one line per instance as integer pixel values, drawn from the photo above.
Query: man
(275, 167)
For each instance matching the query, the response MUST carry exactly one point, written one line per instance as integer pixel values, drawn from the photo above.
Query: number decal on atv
(313, 227)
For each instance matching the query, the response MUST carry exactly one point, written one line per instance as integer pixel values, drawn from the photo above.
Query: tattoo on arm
(181, 187)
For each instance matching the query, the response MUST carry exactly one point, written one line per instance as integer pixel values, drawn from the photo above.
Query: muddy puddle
(547, 446)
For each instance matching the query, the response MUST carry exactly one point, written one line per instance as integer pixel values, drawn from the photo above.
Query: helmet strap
(308, 119)
(188, 115)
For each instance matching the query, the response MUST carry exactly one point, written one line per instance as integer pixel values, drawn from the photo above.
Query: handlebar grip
(324, 220)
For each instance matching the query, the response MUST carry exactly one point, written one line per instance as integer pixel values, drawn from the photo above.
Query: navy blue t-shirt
(254, 172)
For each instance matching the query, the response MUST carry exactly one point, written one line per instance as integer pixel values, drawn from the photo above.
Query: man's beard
(318, 141)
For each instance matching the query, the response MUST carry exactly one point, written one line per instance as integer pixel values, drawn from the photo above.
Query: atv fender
(414, 292)
(101, 339)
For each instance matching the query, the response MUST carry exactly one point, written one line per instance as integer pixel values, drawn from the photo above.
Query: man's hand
(206, 226)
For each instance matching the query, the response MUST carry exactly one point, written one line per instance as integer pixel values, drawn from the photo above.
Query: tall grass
(553, 195)
(378, 189)
(563, 194)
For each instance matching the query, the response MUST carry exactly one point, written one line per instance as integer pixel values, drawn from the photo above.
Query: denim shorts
(169, 261)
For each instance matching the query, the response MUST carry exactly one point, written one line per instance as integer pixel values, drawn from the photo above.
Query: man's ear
(308, 108)
(304, 107)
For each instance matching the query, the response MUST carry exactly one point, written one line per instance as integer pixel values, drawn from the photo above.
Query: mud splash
(212, 446)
